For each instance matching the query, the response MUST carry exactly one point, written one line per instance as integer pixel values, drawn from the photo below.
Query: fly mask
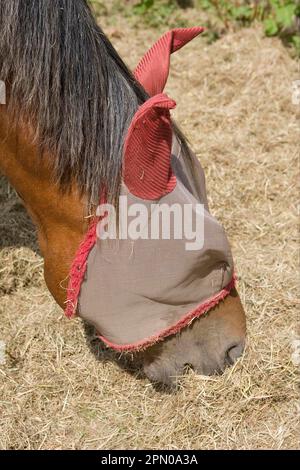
(138, 290)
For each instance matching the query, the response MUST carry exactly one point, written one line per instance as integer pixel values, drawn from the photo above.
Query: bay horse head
(73, 121)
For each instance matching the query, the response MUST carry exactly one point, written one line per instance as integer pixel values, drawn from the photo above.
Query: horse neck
(60, 219)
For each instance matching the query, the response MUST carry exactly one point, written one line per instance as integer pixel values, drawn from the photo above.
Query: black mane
(65, 78)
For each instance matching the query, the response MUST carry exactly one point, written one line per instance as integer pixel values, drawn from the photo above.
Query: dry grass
(60, 391)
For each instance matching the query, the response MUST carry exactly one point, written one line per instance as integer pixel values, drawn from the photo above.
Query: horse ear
(153, 70)
(147, 170)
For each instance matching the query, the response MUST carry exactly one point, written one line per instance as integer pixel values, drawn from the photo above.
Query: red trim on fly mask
(79, 265)
(78, 269)
(186, 320)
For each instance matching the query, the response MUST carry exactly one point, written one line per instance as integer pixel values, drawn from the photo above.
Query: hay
(60, 391)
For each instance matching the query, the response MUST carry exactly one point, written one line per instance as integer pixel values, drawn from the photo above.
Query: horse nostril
(187, 367)
(234, 352)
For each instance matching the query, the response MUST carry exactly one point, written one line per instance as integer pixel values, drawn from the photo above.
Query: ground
(61, 389)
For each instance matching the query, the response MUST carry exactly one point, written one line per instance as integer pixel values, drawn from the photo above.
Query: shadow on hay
(128, 362)
(16, 228)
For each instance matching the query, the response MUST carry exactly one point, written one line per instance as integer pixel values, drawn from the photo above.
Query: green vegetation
(279, 17)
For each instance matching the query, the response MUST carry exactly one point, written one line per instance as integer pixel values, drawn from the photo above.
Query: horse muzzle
(210, 344)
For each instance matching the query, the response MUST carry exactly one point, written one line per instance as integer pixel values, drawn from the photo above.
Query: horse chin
(208, 345)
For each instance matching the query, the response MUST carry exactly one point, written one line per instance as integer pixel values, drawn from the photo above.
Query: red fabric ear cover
(147, 170)
(153, 70)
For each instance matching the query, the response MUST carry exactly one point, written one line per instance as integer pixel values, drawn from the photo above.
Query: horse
(70, 100)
